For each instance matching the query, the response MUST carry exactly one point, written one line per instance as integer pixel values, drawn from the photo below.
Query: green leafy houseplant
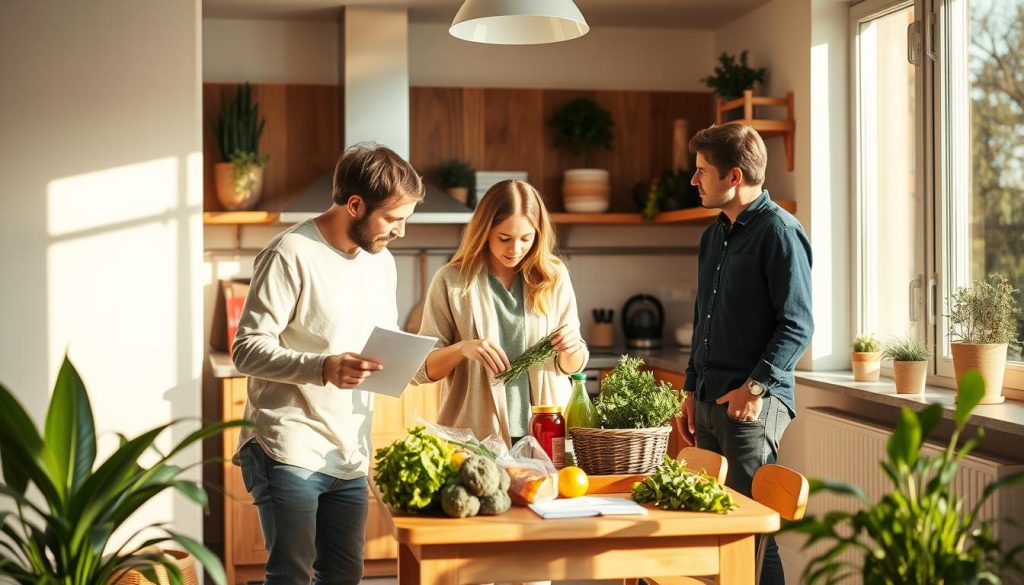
(731, 77)
(920, 532)
(582, 126)
(238, 131)
(630, 398)
(60, 531)
(456, 173)
(866, 344)
(985, 312)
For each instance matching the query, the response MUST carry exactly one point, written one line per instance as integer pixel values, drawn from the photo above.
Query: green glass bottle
(579, 412)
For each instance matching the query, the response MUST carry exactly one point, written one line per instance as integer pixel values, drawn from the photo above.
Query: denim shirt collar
(755, 207)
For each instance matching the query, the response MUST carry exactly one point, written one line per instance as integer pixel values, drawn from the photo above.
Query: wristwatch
(755, 388)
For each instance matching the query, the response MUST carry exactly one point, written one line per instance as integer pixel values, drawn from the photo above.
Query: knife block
(601, 335)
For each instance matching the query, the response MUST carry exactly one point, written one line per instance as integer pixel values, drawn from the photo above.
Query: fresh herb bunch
(536, 354)
(866, 344)
(920, 530)
(985, 312)
(674, 487)
(906, 349)
(411, 471)
(630, 399)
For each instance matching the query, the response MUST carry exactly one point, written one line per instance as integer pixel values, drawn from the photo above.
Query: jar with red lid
(548, 427)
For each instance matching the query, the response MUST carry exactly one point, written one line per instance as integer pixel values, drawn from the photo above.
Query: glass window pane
(984, 166)
(890, 208)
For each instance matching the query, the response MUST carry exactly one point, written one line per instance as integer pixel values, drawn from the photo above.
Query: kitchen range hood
(373, 62)
(437, 207)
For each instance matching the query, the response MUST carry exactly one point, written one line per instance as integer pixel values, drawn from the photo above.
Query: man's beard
(359, 232)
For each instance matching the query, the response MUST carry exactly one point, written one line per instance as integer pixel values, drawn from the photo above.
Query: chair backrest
(711, 463)
(781, 489)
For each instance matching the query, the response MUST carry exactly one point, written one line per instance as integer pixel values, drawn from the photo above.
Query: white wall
(270, 51)
(100, 223)
(277, 51)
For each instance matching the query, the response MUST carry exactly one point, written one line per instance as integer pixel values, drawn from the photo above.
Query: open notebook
(587, 506)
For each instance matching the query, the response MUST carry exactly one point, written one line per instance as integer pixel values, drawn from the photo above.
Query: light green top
(511, 313)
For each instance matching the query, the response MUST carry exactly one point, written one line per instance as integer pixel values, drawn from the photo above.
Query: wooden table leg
(408, 566)
(736, 560)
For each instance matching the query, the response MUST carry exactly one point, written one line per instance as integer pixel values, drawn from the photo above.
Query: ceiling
(693, 14)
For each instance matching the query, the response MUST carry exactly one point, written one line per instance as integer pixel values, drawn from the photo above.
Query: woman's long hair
(539, 266)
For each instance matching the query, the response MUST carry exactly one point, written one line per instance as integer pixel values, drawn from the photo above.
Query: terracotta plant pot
(237, 195)
(867, 365)
(910, 376)
(460, 194)
(990, 361)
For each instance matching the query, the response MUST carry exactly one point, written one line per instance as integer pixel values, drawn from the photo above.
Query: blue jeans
(746, 445)
(313, 524)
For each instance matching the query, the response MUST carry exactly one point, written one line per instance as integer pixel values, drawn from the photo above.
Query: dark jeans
(747, 446)
(313, 524)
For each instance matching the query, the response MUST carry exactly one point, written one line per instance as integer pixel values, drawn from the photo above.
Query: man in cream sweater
(318, 290)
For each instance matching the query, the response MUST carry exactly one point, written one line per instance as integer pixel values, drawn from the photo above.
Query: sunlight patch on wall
(822, 275)
(116, 195)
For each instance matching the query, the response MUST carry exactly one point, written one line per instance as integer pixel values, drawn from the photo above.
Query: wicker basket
(185, 562)
(618, 451)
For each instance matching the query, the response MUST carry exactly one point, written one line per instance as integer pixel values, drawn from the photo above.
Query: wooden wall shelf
(696, 216)
(768, 128)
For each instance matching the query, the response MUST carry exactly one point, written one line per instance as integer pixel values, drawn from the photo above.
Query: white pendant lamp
(518, 22)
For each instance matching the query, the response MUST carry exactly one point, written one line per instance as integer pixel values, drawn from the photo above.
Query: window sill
(1007, 417)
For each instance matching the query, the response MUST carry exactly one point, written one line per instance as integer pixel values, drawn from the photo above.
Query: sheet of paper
(400, 353)
(587, 506)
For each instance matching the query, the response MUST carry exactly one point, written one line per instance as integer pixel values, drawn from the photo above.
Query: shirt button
(714, 291)
(709, 315)
(719, 267)
(705, 340)
(725, 244)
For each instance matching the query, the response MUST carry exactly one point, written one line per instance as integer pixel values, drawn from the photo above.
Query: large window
(938, 162)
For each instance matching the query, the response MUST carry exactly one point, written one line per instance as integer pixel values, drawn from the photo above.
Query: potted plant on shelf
(60, 530)
(239, 177)
(983, 320)
(921, 531)
(457, 178)
(909, 364)
(581, 126)
(866, 358)
(634, 414)
(731, 77)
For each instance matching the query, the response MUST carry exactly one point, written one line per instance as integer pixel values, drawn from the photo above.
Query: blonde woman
(502, 291)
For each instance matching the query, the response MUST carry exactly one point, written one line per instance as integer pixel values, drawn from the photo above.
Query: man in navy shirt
(752, 316)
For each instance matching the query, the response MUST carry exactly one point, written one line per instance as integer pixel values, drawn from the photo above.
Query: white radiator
(850, 451)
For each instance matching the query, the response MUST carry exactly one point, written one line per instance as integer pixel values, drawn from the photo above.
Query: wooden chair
(712, 463)
(783, 490)
(778, 487)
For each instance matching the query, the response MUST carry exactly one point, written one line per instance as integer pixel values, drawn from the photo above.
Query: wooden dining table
(521, 546)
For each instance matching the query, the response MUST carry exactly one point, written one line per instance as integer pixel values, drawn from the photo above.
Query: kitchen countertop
(668, 358)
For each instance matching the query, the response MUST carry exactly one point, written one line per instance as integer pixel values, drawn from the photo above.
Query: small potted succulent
(983, 321)
(909, 364)
(582, 126)
(457, 178)
(866, 358)
(239, 177)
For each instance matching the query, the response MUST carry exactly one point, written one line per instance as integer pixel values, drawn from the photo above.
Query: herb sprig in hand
(534, 355)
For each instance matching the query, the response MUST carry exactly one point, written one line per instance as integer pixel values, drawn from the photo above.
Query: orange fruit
(572, 482)
(457, 458)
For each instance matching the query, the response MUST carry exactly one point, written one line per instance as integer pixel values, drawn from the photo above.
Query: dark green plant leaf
(70, 431)
(904, 444)
(211, 564)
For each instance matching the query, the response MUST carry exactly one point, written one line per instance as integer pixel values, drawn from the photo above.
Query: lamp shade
(518, 22)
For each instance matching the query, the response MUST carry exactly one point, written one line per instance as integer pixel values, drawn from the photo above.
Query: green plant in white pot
(866, 358)
(582, 127)
(909, 364)
(983, 321)
(239, 177)
(63, 505)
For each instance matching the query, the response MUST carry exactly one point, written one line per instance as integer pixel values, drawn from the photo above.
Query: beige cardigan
(457, 310)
